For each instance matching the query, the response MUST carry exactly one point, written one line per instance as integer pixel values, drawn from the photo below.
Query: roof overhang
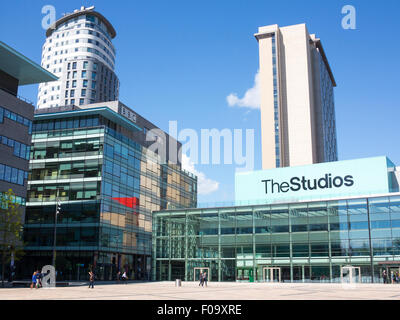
(21, 68)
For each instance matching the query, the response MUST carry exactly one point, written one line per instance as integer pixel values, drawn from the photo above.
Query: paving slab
(214, 291)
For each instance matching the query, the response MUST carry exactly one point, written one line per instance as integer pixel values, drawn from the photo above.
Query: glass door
(350, 274)
(245, 274)
(272, 274)
(298, 273)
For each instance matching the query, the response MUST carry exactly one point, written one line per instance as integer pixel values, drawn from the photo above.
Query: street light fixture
(58, 210)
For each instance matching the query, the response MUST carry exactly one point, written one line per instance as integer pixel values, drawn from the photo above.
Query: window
(17, 148)
(14, 175)
(107, 189)
(74, 65)
(67, 85)
(74, 84)
(90, 18)
(85, 65)
(81, 101)
(83, 93)
(72, 94)
(21, 177)
(74, 74)
(93, 84)
(94, 75)
(84, 74)
(85, 83)
(7, 174)
(72, 101)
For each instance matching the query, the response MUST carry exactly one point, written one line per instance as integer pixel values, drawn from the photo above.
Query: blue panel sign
(319, 181)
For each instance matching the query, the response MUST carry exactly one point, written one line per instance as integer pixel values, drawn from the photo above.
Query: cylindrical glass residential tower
(79, 50)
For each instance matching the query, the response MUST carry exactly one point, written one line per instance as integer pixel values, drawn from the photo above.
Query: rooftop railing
(17, 96)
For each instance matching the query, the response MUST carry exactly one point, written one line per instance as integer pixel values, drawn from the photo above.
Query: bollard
(178, 283)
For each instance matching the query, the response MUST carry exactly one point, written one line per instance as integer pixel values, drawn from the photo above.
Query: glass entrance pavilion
(315, 241)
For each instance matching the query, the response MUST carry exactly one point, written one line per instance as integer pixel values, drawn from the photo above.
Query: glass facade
(108, 185)
(298, 242)
(276, 103)
(327, 120)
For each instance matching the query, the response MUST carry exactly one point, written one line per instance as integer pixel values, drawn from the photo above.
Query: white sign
(328, 180)
(128, 114)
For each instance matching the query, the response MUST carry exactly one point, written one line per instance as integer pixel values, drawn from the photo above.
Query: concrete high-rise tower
(79, 50)
(297, 103)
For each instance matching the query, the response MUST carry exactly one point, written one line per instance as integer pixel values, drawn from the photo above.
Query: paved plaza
(214, 291)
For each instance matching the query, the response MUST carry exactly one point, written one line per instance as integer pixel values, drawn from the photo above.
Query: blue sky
(179, 60)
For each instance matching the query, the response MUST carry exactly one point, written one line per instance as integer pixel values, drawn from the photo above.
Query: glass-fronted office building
(289, 241)
(298, 242)
(96, 162)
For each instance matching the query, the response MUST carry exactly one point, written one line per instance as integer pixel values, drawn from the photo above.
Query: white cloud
(204, 185)
(251, 98)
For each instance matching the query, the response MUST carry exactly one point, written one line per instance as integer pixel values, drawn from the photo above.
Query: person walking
(41, 275)
(384, 276)
(205, 278)
(124, 277)
(38, 282)
(118, 276)
(201, 283)
(33, 283)
(91, 279)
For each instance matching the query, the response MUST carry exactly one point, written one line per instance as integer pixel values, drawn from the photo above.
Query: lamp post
(58, 209)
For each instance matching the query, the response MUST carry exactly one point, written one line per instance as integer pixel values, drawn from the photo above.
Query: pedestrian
(118, 276)
(384, 276)
(33, 283)
(124, 277)
(38, 282)
(91, 279)
(201, 279)
(205, 278)
(41, 275)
